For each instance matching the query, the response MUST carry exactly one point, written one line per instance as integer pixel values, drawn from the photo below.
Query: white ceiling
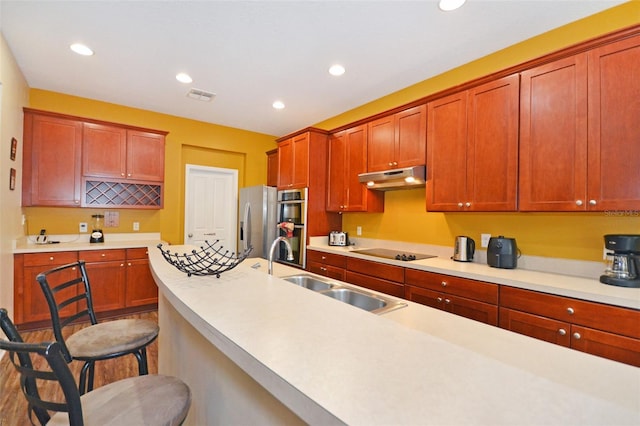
(250, 53)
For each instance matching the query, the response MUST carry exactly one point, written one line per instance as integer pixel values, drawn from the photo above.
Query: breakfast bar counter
(256, 349)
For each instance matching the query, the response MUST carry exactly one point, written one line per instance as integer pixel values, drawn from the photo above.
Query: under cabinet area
(472, 299)
(607, 331)
(121, 282)
(78, 162)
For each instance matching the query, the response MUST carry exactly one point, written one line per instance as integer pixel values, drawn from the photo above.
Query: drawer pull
(439, 299)
(103, 255)
(444, 283)
(51, 258)
(447, 301)
(576, 336)
(129, 263)
(322, 268)
(570, 311)
(324, 257)
(562, 332)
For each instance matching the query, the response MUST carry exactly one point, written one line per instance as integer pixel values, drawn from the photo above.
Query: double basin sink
(360, 299)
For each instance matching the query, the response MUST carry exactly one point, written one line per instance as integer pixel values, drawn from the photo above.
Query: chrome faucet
(273, 248)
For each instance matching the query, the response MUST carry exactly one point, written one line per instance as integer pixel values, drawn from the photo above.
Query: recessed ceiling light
(184, 78)
(278, 105)
(81, 49)
(448, 5)
(336, 70)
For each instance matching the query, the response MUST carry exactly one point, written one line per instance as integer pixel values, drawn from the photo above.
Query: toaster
(338, 238)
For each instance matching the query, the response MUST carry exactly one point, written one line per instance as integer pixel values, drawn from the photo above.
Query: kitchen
(556, 235)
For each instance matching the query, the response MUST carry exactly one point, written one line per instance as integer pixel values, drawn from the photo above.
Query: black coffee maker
(623, 263)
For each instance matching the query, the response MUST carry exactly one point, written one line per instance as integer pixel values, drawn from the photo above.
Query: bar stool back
(68, 291)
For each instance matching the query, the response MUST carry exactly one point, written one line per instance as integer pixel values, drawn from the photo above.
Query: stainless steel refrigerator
(257, 221)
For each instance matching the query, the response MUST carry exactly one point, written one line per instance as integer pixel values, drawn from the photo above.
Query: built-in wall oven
(292, 219)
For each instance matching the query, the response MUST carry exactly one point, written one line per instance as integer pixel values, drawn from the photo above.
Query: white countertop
(563, 285)
(80, 242)
(330, 362)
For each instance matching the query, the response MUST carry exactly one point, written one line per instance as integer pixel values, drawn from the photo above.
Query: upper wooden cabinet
(293, 159)
(347, 159)
(119, 153)
(51, 161)
(579, 131)
(472, 142)
(398, 140)
(76, 162)
(272, 167)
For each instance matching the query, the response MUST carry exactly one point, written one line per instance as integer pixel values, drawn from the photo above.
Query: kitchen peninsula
(256, 349)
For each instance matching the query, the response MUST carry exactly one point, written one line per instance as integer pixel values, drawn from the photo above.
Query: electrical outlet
(484, 240)
(359, 230)
(136, 226)
(83, 227)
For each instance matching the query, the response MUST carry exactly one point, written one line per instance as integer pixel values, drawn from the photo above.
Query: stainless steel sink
(374, 303)
(310, 282)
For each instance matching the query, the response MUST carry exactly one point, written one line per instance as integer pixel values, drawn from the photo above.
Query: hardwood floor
(13, 405)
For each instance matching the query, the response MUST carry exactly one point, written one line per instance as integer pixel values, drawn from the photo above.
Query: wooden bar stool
(142, 400)
(68, 295)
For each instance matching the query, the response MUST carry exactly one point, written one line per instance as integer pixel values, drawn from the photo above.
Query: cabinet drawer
(472, 289)
(137, 253)
(606, 345)
(377, 284)
(50, 259)
(376, 269)
(590, 314)
(462, 306)
(327, 258)
(536, 326)
(326, 270)
(102, 255)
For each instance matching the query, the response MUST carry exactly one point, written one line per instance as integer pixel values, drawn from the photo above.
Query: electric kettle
(464, 249)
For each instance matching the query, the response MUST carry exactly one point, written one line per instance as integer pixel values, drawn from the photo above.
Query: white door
(211, 204)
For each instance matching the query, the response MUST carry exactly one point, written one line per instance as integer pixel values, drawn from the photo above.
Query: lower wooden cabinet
(327, 264)
(388, 279)
(120, 280)
(604, 330)
(472, 299)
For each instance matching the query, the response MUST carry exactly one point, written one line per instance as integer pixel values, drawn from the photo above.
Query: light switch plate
(136, 226)
(83, 227)
(484, 240)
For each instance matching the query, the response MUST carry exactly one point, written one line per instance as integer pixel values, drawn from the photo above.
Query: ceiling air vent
(201, 95)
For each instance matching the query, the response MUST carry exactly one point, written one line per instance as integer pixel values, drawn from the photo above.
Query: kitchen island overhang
(284, 354)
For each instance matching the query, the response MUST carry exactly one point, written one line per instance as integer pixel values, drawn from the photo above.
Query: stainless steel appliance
(623, 263)
(406, 178)
(502, 252)
(393, 254)
(257, 221)
(464, 249)
(338, 238)
(291, 224)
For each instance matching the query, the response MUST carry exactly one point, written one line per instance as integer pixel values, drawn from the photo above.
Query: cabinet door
(492, 153)
(381, 144)
(411, 137)
(141, 289)
(104, 151)
(614, 134)
(301, 160)
(358, 197)
(337, 166)
(145, 156)
(607, 345)
(107, 281)
(536, 326)
(447, 153)
(272, 168)
(553, 136)
(53, 175)
(285, 164)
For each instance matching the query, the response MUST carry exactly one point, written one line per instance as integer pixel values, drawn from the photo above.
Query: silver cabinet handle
(467, 204)
(592, 202)
(51, 258)
(459, 204)
(577, 336)
(439, 299)
(447, 301)
(562, 332)
(570, 311)
(444, 283)
(578, 202)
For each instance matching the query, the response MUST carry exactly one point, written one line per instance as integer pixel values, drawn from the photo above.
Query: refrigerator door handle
(245, 228)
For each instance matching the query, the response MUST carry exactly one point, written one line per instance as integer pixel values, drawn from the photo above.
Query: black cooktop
(393, 254)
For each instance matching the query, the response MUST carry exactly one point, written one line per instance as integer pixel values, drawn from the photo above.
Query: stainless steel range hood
(406, 178)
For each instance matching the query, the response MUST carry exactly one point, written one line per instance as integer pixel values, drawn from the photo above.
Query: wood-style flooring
(13, 405)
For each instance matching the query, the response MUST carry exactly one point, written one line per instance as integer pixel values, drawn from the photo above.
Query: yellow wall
(565, 235)
(188, 142)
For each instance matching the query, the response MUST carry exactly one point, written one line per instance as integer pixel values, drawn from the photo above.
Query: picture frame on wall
(12, 179)
(14, 149)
